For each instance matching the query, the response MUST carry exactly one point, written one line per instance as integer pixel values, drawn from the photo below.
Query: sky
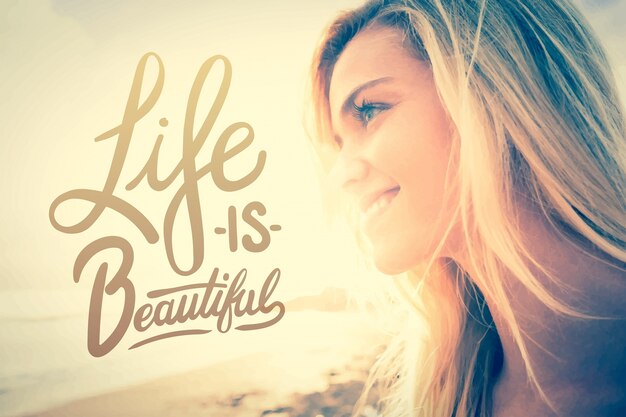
(66, 74)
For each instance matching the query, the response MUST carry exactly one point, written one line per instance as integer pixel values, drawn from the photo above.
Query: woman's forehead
(367, 53)
(376, 52)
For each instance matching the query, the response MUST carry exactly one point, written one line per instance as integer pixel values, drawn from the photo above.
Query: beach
(311, 363)
(257, 385)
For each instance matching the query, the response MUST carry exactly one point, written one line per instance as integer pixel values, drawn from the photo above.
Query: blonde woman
(483, 143)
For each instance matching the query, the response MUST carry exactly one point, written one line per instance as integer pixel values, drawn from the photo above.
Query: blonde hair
(536, 116)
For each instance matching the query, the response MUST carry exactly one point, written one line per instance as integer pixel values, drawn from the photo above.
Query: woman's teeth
(378, 205)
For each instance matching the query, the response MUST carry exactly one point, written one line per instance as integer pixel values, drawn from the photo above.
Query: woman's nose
(348, 171)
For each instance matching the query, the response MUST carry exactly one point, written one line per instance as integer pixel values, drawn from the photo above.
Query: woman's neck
(579, 363)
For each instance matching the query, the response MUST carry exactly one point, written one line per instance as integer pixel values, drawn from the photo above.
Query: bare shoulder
(579, 362)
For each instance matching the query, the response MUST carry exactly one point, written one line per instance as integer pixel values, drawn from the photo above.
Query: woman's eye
(366, 111)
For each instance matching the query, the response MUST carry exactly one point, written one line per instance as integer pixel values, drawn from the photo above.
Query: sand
(256, 385)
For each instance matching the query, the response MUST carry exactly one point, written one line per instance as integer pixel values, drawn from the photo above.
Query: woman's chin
(394, 258)
(389, 264)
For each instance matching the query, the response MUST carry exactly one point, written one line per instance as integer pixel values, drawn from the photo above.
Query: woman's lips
(378, 203)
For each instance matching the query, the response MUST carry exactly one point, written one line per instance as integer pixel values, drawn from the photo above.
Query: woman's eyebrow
(349, 102)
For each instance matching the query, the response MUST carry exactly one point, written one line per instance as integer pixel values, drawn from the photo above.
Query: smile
(379, 204)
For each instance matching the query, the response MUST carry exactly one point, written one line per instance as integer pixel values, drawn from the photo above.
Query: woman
(483, 143)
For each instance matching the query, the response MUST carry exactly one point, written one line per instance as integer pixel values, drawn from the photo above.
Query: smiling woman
(393, 130)
(483, 144)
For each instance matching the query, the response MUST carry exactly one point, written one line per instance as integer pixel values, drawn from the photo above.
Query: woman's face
(395, 140)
